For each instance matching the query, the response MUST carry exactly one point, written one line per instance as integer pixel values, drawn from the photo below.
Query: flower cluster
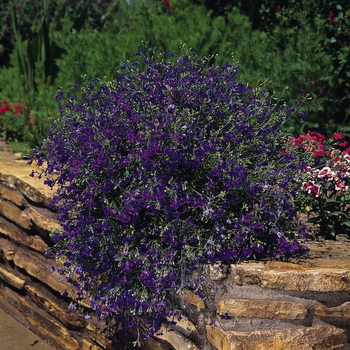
(15, 108)
(173, 166)
(11, 117)
(166, 3)
(331, 18)
(326, 182)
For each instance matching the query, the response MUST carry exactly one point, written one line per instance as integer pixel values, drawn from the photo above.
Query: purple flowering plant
(173, 166)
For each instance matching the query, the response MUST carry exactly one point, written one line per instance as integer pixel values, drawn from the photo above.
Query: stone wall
(300, 305)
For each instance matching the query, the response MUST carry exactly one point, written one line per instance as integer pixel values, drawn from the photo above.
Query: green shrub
(290, 55)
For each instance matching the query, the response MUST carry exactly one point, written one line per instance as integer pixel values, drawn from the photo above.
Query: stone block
(186, 327)
(8, 180)
(60, 334)
(86, 345)
(8, 248)
(40, 321)
(14, 214)
(39, 267)
(69, 319)
(12, 196)
(15, 234)
(320, 337)
(177, 340)
(35, 190)
(194, 299)
(97, 336)
(42, 221)
(342, 310)
(262, 309)
(11, 279)
(293, 277)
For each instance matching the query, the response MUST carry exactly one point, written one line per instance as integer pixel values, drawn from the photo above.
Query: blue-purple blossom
(172, 166)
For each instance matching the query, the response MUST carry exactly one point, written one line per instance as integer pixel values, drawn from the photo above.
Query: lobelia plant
(173, 166)
(325, 190)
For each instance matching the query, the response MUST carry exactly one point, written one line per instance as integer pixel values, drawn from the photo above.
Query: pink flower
(341, 186)
(311, 188)
(4, 109)
(318, 153)
(324, 171)
(338, 135)
(278, 8)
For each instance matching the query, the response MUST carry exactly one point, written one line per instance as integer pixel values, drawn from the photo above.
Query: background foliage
(301, 45)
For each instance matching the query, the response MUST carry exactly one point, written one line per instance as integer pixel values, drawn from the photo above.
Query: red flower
(278, 8)
(4, 109)
(338, 135)
(318, 153)
(166, 3)
(331, 18)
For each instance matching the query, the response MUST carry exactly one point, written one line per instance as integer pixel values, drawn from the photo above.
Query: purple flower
(172, 166)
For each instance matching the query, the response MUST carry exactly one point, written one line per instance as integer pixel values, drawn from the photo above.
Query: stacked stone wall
(302, 304)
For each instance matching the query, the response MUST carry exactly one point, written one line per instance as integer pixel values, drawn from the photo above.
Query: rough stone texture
(302, 304)
(71, 320)
(20, 237)
(14, 214)
(333, 278)
(97, 336)
(342, 310)
(11, 279)
(194, 299)
(320, 337)
(177, 340)
(43, 221)
(16, 198)
(86, 345)
(261, 308)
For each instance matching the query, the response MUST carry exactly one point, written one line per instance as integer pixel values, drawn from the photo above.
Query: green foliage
(40, 48)
(292, 52)
(298, 62)
(334, 18)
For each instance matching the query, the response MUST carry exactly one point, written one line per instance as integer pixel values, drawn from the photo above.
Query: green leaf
(48, 60)
(79, 22)
(331, 201)
(338, 213)
(19, 43)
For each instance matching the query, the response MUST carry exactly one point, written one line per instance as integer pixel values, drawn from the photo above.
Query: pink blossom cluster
(335, 177)
(15, 108)
(331, 171)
